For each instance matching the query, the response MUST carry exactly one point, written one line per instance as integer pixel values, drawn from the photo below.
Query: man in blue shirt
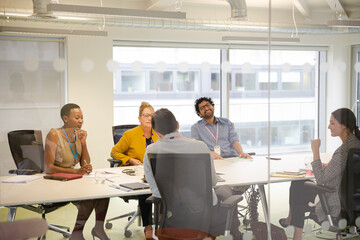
(217, 133)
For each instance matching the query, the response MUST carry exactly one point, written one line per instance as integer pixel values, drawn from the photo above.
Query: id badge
(77, 166)
(217, 149)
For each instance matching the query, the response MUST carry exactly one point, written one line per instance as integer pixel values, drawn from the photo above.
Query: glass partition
(31, 89)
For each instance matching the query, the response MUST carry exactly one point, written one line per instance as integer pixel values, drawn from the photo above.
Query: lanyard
(74, 153)
(217, 132)
(146, 141)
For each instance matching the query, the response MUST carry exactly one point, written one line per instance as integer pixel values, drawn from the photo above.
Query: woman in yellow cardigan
(131, 149)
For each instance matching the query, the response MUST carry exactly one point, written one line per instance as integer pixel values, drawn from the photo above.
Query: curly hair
(200, 100)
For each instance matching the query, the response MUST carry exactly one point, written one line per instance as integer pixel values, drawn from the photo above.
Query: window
(355, 93)
(132, 81)
(293, 100)
(263, 80)
(188, 81)
(30, 87)
(163, 83)
(290, 80)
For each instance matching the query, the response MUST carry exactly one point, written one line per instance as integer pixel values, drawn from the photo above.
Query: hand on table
(86, 169)
(134, 161)
(245, 155)
(216, 156)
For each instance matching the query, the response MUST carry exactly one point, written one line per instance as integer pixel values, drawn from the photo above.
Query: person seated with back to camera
(131, 148)
(66, 152)
(342, 124)
(165, 125)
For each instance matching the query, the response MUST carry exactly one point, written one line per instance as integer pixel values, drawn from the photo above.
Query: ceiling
(307, 16)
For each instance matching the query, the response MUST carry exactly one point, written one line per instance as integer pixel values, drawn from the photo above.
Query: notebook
(63, 176)
(135, 185)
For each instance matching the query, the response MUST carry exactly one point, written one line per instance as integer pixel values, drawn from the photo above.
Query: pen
(86, 163)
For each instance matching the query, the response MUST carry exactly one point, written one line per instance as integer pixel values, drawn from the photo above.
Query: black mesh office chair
(28, 153)
(118, 131)
(349, 195)
(184, 182)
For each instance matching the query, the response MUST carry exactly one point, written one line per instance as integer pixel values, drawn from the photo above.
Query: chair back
(27, 149)
(184, 182)
(350, 187)
(119, 130)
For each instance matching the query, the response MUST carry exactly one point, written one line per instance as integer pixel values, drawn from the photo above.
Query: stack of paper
(289, 174)
(21, 179)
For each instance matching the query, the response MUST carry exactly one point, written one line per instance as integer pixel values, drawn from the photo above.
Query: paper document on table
(116, 170)
(288, 174)
(219, 179)
(21, 179)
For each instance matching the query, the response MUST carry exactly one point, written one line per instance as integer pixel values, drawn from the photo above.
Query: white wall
(93, 91)
(338, 86)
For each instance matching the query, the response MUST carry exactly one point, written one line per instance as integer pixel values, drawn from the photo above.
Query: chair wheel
(65, 235)
(108, 225)
(129, 218)
(127, 233)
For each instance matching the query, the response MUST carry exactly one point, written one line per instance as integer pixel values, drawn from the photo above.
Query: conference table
(235, 171)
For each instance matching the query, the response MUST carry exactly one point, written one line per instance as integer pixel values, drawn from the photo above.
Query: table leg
(265, 208)
(11, 214)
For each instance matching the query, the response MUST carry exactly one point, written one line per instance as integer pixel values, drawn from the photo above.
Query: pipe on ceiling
(238, 9)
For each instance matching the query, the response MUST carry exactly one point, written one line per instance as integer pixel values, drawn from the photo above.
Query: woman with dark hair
(342, 125)
(66, 151)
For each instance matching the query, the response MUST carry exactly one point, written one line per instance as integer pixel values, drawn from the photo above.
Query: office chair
(27, 149)
(117, 132)
(184, 182)
(349, 196)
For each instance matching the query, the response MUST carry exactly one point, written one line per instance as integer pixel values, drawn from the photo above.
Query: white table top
(50, 191)
(236, 172)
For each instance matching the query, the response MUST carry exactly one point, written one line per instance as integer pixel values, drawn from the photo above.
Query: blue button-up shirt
(226, 138)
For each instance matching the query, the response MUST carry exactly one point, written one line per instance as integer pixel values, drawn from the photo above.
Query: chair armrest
(319, 188)
(231, 201)
(153, 199)
(23, 171)
(114, 162)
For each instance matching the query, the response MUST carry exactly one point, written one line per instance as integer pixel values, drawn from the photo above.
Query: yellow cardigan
(132, 145)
